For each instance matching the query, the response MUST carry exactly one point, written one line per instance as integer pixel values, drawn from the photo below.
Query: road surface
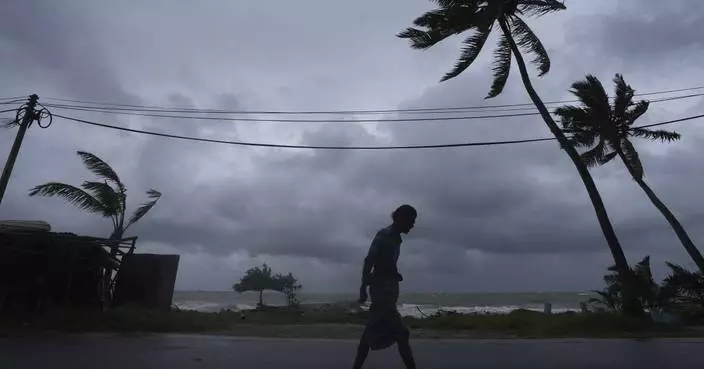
(216, 352)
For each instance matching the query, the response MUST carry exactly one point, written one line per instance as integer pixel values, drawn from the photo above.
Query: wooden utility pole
(30, 114)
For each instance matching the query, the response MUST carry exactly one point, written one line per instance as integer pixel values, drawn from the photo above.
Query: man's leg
(404, 348)
(362, 352)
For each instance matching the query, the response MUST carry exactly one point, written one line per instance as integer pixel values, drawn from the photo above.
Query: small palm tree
(684, 287)
(646, 290)
(107, 197)
(605, 129)
(479, 17)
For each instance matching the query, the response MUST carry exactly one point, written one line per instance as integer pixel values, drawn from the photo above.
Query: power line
(377, 111)
(15, 98)
(671, 121)
(340, 112)
(254, 144)
(12, 102)
(118, 110)
(289, 120)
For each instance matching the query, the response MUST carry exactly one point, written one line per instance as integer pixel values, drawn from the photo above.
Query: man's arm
(369, 263)
(371, 260)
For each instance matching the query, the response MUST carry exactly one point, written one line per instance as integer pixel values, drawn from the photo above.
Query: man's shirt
(382, 258)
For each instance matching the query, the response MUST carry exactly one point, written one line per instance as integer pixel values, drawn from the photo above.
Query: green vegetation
(340, 324)
(479, 18)
(107, 197)
(605, 130)
(681, 293)
(261, 279)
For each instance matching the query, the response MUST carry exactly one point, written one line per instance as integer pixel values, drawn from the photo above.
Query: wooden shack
(40, 268)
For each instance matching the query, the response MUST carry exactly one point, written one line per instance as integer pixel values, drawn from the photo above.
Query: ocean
(410, 304)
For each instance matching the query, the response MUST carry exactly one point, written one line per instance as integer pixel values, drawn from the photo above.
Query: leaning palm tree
(606, 129)
(107, 197)
(478, 18)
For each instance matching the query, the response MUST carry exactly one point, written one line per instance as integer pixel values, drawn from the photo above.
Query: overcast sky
(504, 218)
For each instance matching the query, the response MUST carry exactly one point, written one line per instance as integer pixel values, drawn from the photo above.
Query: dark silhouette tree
(478, 18)
(259, 280)
(606, 129)
(289, 286)
(107, 196)
(646, 290)
(683, 287)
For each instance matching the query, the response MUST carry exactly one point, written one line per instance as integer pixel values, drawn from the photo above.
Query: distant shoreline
(410, 304)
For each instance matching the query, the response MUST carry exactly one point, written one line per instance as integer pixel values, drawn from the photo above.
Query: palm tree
(605, 129)
(647, 291)
(684, 287)
(107, 197)
(479, 17)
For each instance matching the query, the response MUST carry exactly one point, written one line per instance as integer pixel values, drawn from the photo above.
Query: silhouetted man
(385, 326)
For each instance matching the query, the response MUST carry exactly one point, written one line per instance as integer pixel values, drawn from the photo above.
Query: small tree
(649, 294)
(289, 286)
(107, 196)
(257, 279)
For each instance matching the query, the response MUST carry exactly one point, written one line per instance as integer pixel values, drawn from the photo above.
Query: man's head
(404, 218)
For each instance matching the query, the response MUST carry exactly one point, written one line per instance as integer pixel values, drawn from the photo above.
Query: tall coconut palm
(605, 129)
(479, 18)
(107, 197)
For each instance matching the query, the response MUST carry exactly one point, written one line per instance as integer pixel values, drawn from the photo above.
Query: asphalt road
(186, 352)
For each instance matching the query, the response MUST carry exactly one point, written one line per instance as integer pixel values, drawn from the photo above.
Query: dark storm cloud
(510, 217)
(642, 31)
(51, 43)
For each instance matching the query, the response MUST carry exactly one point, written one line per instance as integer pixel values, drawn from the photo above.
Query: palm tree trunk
(665, 211)
(601, 214)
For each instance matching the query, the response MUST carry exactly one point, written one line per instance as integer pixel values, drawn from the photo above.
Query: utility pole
(30, 114)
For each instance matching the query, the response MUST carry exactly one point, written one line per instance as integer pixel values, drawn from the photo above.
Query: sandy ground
(112, 351)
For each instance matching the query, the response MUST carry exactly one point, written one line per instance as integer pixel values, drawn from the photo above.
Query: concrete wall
(146, 280)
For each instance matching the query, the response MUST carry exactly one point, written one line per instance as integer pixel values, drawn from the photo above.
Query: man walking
(380, 273)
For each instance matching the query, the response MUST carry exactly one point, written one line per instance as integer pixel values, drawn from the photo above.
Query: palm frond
(102, 192)
(623, 99)
(451, 3)
(572, 117)
(582, 136)
(684, 285)
(437, 25)
(152, 194)
(472, 46)
(595, 156)
(100, 168)
(455, 18)
(530, 43)
(642, 268)
(74, 195)
(433, 19)
(606, 158)
(592, 94)
(420, 39)
(502, 66)
(632, 159)
(662, 135)
(540, 7)
(636, 112)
